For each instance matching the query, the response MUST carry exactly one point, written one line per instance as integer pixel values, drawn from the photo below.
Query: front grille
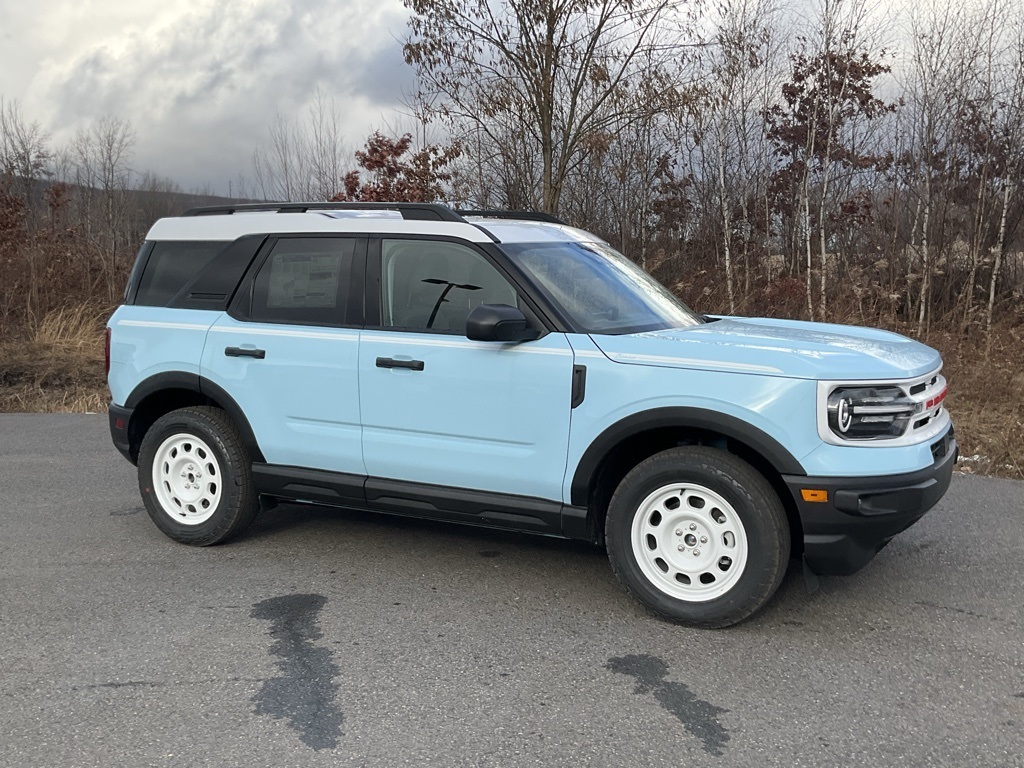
(921, 386)
(929, 394)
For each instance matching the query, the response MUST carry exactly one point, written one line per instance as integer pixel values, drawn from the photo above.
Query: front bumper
(862, 514)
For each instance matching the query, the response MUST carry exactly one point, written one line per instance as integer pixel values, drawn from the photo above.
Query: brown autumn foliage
(396, 173)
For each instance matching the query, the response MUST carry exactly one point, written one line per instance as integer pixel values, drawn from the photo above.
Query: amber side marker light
(810, 494)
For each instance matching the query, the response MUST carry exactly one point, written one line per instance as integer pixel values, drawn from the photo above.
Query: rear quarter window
(170, 266)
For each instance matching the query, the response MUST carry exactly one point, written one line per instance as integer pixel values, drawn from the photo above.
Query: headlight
(869, 413)
(882, 414)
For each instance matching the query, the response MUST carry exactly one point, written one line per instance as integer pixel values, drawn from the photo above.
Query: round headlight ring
(844, 414)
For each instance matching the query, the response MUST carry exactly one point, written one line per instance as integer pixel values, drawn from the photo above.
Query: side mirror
(498, 322)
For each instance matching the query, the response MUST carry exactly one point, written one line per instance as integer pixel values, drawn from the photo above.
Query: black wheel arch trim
(682, 417)
(203, 386)
(166, 380)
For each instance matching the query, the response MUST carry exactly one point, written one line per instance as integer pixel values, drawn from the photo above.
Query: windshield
(599, 289)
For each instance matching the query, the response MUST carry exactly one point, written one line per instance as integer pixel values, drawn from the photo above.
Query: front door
(439, 409)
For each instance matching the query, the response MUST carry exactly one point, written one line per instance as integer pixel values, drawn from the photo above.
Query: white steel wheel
(195, 476)
(698, 536)
(689, 542)
(187, 479)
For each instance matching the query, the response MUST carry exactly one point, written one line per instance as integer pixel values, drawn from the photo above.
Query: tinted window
(433, 285)
(304, 280)
(170, 266)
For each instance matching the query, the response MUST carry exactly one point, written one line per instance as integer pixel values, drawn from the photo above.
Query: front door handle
(390, 362)
(259, 354)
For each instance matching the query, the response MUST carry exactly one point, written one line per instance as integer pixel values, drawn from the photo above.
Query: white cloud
(200, 80)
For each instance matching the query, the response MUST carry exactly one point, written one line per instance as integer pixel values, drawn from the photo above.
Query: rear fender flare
(193, 382)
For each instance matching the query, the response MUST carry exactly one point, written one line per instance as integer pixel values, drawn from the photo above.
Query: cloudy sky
(200, 80)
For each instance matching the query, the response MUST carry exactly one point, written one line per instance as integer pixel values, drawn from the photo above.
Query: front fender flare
(682, 417)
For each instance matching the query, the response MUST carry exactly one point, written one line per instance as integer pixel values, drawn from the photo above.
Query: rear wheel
(195, 475)
(698, 536)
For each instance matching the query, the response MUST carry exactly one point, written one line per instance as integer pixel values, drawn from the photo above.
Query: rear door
(288, 351)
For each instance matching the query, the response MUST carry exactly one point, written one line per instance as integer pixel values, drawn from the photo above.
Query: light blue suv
(506, 370)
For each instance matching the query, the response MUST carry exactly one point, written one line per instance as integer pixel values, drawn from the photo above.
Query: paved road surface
(336, 638)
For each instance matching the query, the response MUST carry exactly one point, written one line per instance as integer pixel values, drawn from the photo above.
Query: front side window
(599, 289)
(429, 285)
(304, 281)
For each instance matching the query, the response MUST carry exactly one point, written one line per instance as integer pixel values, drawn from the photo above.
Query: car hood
(789, 348)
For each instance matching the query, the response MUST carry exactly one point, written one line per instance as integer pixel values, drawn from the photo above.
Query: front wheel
(195, 475)
(698, 536)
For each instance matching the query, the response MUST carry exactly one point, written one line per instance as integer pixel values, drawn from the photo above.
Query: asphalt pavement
(336, 638)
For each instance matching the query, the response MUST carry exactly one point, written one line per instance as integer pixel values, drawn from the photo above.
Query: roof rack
(413, 211)
(524, 215)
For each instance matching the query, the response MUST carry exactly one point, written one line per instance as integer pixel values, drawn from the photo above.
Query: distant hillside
(152, 201)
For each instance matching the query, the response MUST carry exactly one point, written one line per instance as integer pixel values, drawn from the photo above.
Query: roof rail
(414, 211)
(524, 215)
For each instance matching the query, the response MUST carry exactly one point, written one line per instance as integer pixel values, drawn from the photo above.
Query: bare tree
(304, 159)
(1010, 146)
(830, 93)
(977, 133)
(730, 125)
(325, 147)
(102, 156)
(25, 152)
(935, 94)
(533, 82)
(24, 163)
(280, 170)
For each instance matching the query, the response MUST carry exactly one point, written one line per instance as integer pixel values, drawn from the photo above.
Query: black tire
(236, 499)
(750, 498)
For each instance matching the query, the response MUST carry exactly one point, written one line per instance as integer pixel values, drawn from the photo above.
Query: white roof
(522, 231)
(229, 227)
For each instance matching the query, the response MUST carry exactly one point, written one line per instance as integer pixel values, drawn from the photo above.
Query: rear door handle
(390, 362)
(259, 354)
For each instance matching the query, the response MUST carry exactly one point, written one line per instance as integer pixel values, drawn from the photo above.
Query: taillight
(106, 353)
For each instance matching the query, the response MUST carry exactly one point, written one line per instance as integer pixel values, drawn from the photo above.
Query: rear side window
(170, 266)
(304, 281)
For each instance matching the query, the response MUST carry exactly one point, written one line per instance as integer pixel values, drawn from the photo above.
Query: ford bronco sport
(507, 370)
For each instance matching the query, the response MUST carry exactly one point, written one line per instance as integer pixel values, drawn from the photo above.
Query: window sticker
(299, 281)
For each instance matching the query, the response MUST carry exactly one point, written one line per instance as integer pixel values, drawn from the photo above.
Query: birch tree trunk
(998, 263)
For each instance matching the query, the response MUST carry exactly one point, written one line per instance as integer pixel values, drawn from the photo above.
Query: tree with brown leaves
(396, 173)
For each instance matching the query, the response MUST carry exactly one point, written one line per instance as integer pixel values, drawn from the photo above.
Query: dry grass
(59, 367)
(987, 399)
